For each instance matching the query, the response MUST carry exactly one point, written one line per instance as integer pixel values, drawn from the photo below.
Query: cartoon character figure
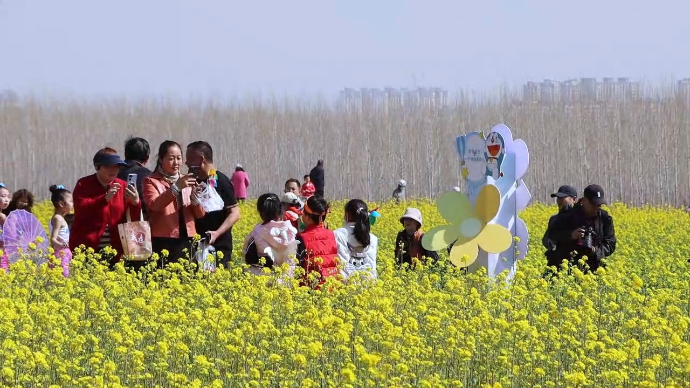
(495, 150)
(357, 257)
(472, 151)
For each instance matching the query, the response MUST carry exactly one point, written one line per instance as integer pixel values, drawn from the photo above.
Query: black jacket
(402, 246)
(548, 243)
(317, 178)
(560, 232)
(142, 172)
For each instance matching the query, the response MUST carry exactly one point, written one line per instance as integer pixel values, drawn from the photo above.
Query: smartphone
(194, 170)
(132, 180)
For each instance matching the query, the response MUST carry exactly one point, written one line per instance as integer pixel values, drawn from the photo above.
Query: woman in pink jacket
(240, 182)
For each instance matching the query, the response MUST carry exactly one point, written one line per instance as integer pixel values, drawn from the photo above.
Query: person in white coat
(273, 240)
(356, 245)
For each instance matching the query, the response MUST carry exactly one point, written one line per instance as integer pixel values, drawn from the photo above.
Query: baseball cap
(595, 194)
(565, 191)
(291, 199)
(111, 160)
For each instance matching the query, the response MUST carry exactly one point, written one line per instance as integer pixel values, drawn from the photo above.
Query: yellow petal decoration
(469, 229)
(440, 237)
(488, 202)
(464, 255)
(494, 238)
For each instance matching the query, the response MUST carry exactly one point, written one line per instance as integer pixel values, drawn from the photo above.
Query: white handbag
(209, 198)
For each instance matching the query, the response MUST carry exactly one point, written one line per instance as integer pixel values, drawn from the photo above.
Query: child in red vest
(318, 250)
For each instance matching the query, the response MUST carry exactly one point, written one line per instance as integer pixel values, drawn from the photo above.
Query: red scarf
(416, 249)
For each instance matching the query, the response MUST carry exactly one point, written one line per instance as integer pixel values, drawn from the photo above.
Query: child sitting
(356, 245)
(292, 208)
(273, 240)
(408, 243)
(318, 250)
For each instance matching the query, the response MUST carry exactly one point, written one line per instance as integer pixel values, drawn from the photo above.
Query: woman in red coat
(101, 201)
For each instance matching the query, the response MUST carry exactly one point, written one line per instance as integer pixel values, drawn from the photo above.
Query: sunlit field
(430, 327)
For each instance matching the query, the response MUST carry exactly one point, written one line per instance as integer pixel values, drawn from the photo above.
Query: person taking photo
(585, 230)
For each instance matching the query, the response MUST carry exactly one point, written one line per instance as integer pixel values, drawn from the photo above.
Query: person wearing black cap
(572, 230)
(566, 196)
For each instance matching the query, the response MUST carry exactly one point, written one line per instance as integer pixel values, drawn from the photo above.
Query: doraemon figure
(495, 150)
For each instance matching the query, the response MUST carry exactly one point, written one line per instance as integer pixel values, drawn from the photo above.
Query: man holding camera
(585, 230)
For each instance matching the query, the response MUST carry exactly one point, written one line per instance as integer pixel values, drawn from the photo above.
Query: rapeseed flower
(433, 326)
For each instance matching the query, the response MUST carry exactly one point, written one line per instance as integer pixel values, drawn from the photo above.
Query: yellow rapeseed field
(431, 327)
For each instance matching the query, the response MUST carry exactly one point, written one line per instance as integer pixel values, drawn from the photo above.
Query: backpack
(358, 256)
(253, 258)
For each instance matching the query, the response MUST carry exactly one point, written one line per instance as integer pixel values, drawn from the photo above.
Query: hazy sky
(245, 47)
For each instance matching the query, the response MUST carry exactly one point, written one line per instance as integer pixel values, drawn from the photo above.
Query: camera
(588, 239)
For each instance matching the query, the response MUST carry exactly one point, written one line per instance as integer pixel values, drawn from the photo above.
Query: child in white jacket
(356, 245)
(273, 240)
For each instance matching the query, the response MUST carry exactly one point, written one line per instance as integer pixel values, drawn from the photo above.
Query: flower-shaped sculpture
(468, 228)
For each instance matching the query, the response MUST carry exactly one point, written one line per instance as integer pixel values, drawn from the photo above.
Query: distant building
(531, 92)
(588, 87)
(584, 89)
(550, 91)
(570, 91)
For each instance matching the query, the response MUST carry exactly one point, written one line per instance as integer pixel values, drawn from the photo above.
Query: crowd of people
(293, 231)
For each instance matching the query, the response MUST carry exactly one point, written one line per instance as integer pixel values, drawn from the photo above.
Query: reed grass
(637, 150)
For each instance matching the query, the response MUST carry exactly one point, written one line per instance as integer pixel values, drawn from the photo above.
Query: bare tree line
(637, 150)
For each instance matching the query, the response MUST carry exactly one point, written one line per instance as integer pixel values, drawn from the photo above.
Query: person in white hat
(292, 208)
(399, 192)
(408, 243)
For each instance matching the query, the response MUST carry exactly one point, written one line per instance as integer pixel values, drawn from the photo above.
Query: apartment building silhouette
(583, 89)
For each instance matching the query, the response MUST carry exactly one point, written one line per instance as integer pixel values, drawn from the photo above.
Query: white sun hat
(413, 214)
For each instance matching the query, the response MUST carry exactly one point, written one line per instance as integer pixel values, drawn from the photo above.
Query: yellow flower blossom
(436, 326)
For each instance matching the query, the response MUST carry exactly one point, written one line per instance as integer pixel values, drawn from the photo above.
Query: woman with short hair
(101, 203)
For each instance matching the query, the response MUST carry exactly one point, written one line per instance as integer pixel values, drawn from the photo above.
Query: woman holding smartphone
(101, 203)
(172, 205)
